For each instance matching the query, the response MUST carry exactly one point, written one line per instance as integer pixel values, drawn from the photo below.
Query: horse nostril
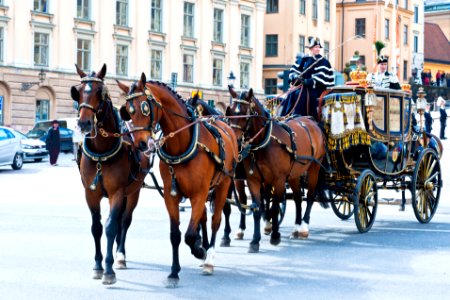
(142, 145)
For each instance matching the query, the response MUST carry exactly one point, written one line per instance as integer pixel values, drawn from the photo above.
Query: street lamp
(27, 85)
(231, 78)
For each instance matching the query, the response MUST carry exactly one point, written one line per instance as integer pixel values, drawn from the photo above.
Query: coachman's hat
(421, 92)
(313, 41)
(382, 59)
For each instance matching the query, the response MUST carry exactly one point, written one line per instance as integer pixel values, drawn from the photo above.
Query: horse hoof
(109, 279)
(225, 242)
(172, 283)
(208, 269)
(239, 236)
(254, 248)
(275, 241)
(97, 274)
(294, 235)
(120, 265)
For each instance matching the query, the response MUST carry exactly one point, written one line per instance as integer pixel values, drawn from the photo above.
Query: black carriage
(373, 144)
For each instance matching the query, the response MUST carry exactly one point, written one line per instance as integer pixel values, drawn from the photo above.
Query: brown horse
(195, 158)
(273, 154)
(108, 168)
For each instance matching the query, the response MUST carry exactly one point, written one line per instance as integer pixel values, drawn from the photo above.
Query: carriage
(373, 144)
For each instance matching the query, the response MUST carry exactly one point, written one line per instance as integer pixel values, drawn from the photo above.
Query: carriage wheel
(426, 185)
(365, 201)
(341, 205)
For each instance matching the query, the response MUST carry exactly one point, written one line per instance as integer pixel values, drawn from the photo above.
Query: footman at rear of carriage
(383, 78)
(315, 74)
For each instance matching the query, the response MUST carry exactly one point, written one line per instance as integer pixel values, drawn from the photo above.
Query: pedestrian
(52, 142)
(77, 139)
(315, 74)
(428, 120)
(443, 117)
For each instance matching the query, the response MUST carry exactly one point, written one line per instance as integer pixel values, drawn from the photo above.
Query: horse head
(201, 107)
(91, 96)
(139, 109)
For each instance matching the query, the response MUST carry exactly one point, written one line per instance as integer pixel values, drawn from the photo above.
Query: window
(83, 9)
(2, 42)
(405, 4)
(84, 54)
(301, 47)
(362, 60)
(40, 5)
(272, 6)
(360, 27)
(270, 86)
(42, 109)
(2, 104)
(188, 68)
(217, 72)
(40, 49)
(327, 10)
(405, 70)
(156, 16)
(271, 45)
(188, 20)
(303, 7)
(315, 11)
(218, 26)
(326, 49)
(386, 29)
(122, 12)
(245, 30)
(245, 75)
(156, 65)
(416, 14)
(122, 60)
(416, 44)
(405, 34)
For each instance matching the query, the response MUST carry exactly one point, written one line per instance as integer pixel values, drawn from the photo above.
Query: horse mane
(261, 107)
(169, 89)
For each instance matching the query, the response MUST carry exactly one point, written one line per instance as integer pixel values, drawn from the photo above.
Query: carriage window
(122, 60)
(188, 68)
(217, 72)
(378, 113)
(245, 75)
(303, 7)
(84, 54)
(41, 49)
(188, 20)
(395, 118)
(218, 26)
(83, 8)
(122, 12)
(40, 5)
(245, 30)
(406, 114)
(156, 65)
(156, 16)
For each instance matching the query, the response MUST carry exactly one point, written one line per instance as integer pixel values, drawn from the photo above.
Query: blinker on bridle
(88, 80)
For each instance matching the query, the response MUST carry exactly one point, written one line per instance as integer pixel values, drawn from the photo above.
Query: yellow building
(388, 21)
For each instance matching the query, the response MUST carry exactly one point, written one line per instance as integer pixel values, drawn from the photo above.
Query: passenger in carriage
(315, 73)
(383, 78)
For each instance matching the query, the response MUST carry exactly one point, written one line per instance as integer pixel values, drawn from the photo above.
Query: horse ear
(75, 94)
(123, 87)
(228, 111)
(79, 71)
(232, 92)
(124, 113)
(250, 94)
(195, 99)
(102, 72)
(143, 79)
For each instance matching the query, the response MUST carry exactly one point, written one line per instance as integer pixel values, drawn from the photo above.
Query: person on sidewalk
(443, 117)
(52, 142)
(428, 120)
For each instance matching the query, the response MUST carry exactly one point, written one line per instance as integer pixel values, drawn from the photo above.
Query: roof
(437, 47)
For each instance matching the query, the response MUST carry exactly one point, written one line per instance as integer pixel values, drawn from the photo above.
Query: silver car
(10, 149)
(33, 149)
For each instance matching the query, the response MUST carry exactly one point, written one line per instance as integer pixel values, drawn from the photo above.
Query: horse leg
(227, 230)
(313, 176)
(172, 206)
(116, 204)
(97, 231)
(298, 198)
(124, 225)
(220, 199)
(198, 211)
(203, 239)
(255, 191)
(278, 193)
(240, 188)
(266, 196)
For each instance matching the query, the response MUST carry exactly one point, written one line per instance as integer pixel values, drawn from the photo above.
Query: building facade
(191, 44)
(391, 22)
(438, 12)
(287, 26)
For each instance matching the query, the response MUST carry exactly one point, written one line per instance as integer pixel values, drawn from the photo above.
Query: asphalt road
(47, 251)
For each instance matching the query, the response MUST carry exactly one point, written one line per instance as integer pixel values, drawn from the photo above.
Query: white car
(33, 149)
(10, 149)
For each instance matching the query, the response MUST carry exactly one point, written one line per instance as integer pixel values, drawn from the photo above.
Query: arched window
(4, 104)
(44, 105)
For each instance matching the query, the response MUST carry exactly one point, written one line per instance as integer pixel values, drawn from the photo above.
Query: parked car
(41, 128)
(33, 149)
(10, 149)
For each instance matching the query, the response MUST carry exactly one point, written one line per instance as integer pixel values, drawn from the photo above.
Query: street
(47, 250)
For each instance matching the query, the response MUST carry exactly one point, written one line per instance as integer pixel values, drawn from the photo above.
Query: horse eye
(145, 108)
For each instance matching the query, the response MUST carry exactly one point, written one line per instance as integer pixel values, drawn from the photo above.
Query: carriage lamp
(27, 85)
(370, 101)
